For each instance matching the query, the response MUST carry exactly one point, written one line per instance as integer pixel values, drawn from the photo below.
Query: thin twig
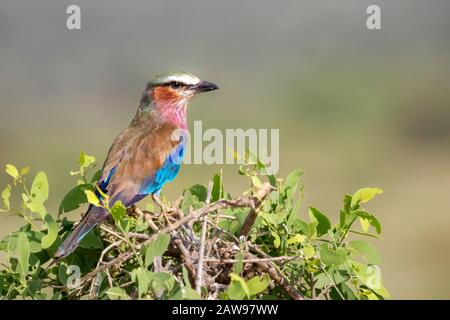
(252, 260)
(187, 261)
(251, 217)
(312, 285)
(332, 281)
(201, 252)
(324, 291)
(147, 218)
(107, 249)
(115, 234)
(268, 267)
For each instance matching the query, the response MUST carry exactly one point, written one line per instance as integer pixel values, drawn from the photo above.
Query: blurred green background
(354, 107)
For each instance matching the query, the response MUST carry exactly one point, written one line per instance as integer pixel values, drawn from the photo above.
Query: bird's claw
(164, 210)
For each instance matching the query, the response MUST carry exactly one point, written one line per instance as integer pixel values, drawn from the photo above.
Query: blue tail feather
(94, 216)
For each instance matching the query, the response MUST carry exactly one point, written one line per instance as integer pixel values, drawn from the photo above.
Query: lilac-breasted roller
(144, 156)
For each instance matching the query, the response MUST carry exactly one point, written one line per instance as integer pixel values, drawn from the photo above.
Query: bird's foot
(162, 207)
(158, 202)
(131, 211)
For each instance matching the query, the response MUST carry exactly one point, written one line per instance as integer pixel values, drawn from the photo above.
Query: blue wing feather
(166, 173)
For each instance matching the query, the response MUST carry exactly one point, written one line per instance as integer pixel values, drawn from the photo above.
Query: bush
(206, 244)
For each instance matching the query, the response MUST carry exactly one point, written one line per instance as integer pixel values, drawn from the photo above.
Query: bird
(144, 156)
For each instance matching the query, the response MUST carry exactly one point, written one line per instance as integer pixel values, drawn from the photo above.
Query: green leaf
(238, 289)
(52, 232)
(34, 205)
(312, 229)
(238, 265)
(331, 256)
(276, 239)
(156, 248)
(256, 182)
(297, 238)
(74, 198)
(368, 275)
(143, 278)
(309, 252)
(294, 212)
(33, 288)
(370, 218)
(368, 251)
(86, 161)
(24, 171)
(199, 191)
(160, 282)
(346, 291)
(342, 215)
(365, 224)
(141, 224)
(188, 201)
(258, 284)
(12, 171)
(116, 293)
(347, 203)
(336, 276)
(291, 183)
(217, 187)
(9, 243)
(372, 296)
(62, 273)
(364, 195)
(298, 225)
(91, 241)
(92, 198)
(186, 281)
(39, 188)
(274, 218)
(190, 294)
(118, 211)
(35, 240)
(56, 296)
(23, 253)
(6, 194)
(381, 291)
(323, 223)
(125, 224)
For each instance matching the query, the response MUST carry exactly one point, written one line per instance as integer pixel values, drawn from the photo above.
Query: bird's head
(176, 87)
(171, 92)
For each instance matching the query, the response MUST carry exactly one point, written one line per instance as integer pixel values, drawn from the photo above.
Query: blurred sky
(354, 107)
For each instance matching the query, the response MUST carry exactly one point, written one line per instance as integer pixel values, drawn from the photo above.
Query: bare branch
(253, 260)
(201, 252)
(259, 197)
(268, 267)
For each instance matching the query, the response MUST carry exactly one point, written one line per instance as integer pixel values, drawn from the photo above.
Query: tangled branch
(194, 259)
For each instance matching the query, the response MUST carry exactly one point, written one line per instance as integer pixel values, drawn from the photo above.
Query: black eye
(176, 85)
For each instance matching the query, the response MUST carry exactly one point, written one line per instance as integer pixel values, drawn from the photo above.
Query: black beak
(204, 86)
